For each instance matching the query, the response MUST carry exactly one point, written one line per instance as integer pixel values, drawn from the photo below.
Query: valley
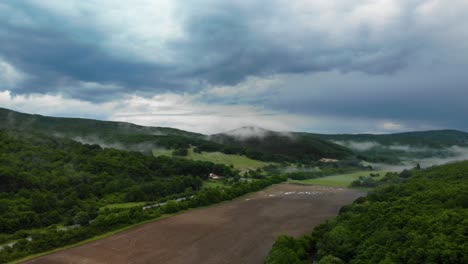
(139, 193)
(240, 231)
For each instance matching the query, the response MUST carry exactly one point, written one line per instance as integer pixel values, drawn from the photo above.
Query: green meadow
(341, 180)
(239, 162)
(123, 205)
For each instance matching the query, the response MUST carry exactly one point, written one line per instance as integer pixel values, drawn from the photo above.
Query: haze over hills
(271, 146)
(431, 138)
(83, 177)
(254, 142)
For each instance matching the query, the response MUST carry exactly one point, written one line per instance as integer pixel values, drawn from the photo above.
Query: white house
(214, 176)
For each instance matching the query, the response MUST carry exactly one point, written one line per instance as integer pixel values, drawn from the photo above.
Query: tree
(329, 259)
(82, 218)
(180, 152)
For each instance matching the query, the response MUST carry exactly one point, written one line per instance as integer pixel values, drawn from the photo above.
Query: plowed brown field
(240, 231)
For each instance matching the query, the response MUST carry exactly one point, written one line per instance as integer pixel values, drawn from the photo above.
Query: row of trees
(111, 219)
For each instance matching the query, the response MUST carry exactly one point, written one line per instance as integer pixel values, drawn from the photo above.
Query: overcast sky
(327, 66)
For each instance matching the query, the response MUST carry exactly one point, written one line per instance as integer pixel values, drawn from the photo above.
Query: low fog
(247, 132)
(439, 155)
(95, 140)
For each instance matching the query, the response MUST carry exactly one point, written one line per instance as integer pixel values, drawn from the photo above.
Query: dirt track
(241, 231)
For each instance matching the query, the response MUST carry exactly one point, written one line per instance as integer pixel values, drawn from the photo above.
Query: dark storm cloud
(403, 61)
(224, 43)
(232, 44)
(58, 63)
(414, 97)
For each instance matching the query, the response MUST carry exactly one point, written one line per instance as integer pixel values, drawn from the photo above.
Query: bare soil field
(240, 231)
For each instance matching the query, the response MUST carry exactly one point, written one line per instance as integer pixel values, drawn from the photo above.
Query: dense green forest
(420, 216)
(47, 180)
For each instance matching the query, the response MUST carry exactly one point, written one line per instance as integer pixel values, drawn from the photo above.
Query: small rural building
(214, 176)
(328, 160)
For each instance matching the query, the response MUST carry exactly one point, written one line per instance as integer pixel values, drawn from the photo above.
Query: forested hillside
(291, 146)
(46, 180)
(72, 127)
(420, 219)
(431, 138)
(128, 136)
(409, 146)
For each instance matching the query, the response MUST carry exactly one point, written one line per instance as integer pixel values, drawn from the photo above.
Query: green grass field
(342, 180)
(239, 162)
(213, 184)
(162, 152)
(123, 205)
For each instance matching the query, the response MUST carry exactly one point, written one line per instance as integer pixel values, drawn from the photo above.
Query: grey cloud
(404, 62)
(225, 43)
(435, 95)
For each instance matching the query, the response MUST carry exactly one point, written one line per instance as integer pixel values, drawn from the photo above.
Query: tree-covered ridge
(122, 135)
(394, 148)
(70, 127)
(303, 148)
(422, 219)
(47, 180)
(431, 138)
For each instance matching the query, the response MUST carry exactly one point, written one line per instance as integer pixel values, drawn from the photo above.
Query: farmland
(246, 226)
(239, 162)
(341, 180)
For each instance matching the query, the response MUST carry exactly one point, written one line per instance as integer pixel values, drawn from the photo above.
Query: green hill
(72, 127)
(121, 135)
(431, 138)
(393, 148)
(251, 142)
(303, 147)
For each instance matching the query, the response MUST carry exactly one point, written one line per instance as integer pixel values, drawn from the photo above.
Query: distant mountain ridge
(269, 146)
(254, 142)
(77, 126)
(300, 146)
(430, 138)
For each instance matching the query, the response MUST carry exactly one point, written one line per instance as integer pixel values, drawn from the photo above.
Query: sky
(324, 66)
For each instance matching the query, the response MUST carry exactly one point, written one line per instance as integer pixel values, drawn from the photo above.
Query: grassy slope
(124, 205)
(239, 162)
(213, 184)
(342, 180)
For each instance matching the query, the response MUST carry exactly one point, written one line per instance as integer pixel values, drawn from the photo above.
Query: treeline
(420, 219)
(275, 146)
(46, 180)
(313, 174)
(31, 242)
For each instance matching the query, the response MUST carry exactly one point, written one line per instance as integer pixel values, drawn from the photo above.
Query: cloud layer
(377, 65)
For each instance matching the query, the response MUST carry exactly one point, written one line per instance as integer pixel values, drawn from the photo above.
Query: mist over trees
(47, 180)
